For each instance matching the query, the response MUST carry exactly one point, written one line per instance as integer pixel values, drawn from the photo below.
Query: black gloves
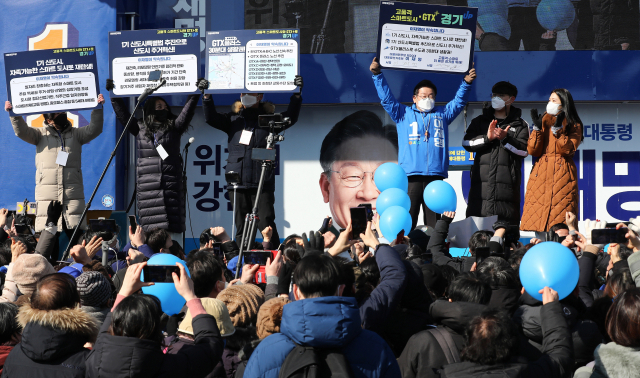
(110, 85)
(312, 246)
(537, 119)
(446, 219)
(298, 82)
(500, 224)
(559, 119)
(202, 84)
(53, 212)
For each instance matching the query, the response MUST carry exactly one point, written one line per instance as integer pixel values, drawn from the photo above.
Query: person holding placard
(159, 185)
(59, 164)
(422, 134)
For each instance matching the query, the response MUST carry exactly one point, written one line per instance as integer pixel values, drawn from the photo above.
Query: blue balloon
(171, 301)
(392, 197)
(394, 220)
(549, 264)
(440, 197)
(493, 23)
(390, 175)
(555, 14)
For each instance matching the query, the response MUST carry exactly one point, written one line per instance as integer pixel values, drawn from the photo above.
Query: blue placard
(460, 156)
(252, 60)
(135, 53)
(425, 37)
(47, 81)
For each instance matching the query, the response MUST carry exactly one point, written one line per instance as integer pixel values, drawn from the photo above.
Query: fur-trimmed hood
(48, 335)
(613, 360)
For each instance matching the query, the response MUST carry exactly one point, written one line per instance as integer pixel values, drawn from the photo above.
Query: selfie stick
(251, 220)
(184, 184)
(143, 96)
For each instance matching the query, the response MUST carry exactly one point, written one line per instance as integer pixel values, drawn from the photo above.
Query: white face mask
(552, 108)
(497, 103)
(426, 104)
(248, 100)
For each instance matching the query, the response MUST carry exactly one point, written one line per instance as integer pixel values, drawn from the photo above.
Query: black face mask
(61, 121)
(161, 115)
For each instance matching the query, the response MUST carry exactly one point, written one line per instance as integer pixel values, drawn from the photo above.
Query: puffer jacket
(552, 189)
(612, 361)
(55, 182)
(52, 343)
(326, 322)
(615, 22)
(159, 184)
(496, 173)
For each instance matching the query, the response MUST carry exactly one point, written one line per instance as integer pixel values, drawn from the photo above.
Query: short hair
(624, 252)
(360, 124)
(157, 239)
(619, 280)
(290, 251)
(138, 316)
(28, 241)
(317, 276)
(205, 271)
(205, 236)
(623, 319)
(469, 287)
(499, 272)
(479, 239)
(492, 338)
(558, 226)
(505, 87)
(425, 83)
(55, 291)
(9, 325)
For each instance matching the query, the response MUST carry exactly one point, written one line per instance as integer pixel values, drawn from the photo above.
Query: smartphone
(481, 254)
(325, 225)
(358, 222)
(159, 273)
(256, 257)
(609, 235)
(155, 76)
(613, 225)
(265, 119)
(105, 225)
(133, 223)
(23, 229)
(369, 211)
(217, 248)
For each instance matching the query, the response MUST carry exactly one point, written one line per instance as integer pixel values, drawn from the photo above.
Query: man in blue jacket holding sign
(423, 134)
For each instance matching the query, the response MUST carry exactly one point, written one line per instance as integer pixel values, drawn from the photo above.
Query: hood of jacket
(527, 316)
(617, 361)
(121, 356)
(455, 315)
(49, 335)
(325, 322)
(504, 298)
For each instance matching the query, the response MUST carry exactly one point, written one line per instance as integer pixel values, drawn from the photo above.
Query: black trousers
(417, 183)
(266, 213)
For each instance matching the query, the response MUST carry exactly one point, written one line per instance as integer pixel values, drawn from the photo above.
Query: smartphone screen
(256, 257)
(132, 222)
(23, 229)
(106, 225)
(608, 235)
(217, 248)
(159, 273)
(358, 222)
(481, 254)
(155, 75)
(369, 211)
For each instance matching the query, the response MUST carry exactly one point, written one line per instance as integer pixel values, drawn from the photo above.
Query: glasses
(351, 176)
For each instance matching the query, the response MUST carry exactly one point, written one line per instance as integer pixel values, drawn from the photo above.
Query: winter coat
(235, 343)
(634, 267)
(423, 356)
(438, 247)
(415, 155)
(556, 362)
(99, 314)
(55, 182)
(52, 343)
(159, 184)
(178, 343)
(504, 298)
(614, 22)
(233, 124)
(496, 174)
(4, 353)
(325, 322)
(612, 361)
(121, 356)
(552, 189)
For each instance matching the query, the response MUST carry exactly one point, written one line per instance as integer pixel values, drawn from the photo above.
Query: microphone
(105, 253)
(151, 90)
(191, 140)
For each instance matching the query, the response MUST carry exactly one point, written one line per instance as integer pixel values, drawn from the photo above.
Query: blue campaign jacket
(326, 322)
(416, 156)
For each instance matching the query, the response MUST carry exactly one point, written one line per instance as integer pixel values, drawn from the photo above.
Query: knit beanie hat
(28, 269)
(94, 289)
(270, 316)
(243, 302)
(215, 308)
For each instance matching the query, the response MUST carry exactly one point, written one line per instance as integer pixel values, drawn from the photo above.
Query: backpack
(309, 362)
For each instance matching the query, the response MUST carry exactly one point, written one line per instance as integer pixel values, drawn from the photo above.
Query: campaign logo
(107, 201)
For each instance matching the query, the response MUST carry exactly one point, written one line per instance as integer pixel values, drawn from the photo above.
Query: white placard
(271, 64)
(180, 71)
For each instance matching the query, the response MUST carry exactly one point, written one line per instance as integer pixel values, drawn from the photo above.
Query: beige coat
(53, 181)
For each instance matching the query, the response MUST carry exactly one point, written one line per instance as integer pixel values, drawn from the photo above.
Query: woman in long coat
(552, 189)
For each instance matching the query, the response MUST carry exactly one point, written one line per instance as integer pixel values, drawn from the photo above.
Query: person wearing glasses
(423, 135)
(349, 155)
(498, 137)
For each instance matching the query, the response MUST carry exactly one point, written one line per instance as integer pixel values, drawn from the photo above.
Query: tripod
(251, 220)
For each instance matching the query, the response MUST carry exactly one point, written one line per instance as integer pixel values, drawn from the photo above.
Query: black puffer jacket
(160, 190)
(233, 124)
(52, 343)
(423, 356)
(496, 175)
(121, 356)
(615, 22)
(438, 247)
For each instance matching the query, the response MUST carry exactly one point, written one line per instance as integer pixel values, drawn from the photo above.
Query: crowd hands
(403, 306)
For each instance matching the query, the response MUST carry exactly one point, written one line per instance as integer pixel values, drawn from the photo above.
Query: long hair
(151, 124)
(569, 107)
